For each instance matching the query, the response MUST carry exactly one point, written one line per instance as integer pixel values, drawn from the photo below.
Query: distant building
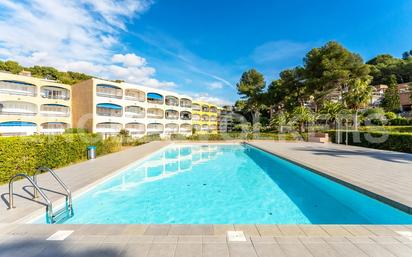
(30, 105)
(405, 96)
(205, 117)
(225, 123)
(378, 92)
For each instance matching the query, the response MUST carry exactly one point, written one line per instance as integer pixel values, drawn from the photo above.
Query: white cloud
(205, 97)
(215, 85)
(78, 35)
(279, 50)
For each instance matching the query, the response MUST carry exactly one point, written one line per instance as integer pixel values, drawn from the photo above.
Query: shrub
(392, 141)
(24, 154)
(400, 121)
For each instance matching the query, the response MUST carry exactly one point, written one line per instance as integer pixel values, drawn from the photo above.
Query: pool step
(62, 215)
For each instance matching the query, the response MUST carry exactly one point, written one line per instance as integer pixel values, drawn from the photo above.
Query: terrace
(134, 112)
(53, 92)
(108, 109)
(12, 87)
(135, 95)
(54, 110)
(109, 91)
(18, 108)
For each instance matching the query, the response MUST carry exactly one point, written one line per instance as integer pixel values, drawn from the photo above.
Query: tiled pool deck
(385, 173)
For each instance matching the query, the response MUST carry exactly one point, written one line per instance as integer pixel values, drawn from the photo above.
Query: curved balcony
(205, 108)
(172, 100)
(135, 95)
(205, 117)
(17, 128)
(196, 107)
(108, 127)
(13, 87)
(185, 103)
(135, 128)
(184, 115)
(213, 127)
(108, 109)
(154, 128)
(110, 91)
(213, 118)
(197, 127)
(185, 128)
(172, 115)
(134, 112)
(213, 109)
(54, 110)
(196, 117)
(53, 92)
(53, 127)
(205, 127)
(171, 128)
(155, 98)
(155, 113)
(18, 108)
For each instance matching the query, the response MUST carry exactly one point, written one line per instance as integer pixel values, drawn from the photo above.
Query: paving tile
(135, 250)
(372, 248)
(214, 239)
(190, 239)
(380, 230)
(179, 229)
(248, 230)
(222, 229)
(140, 239)
(188, 250)
(336, 230)
(263, 239)
(313, 230)
(268, 230)
(294, 249)
(162, 250)
(157, 230)
(116, 239)
(201, 230)
(345, 248)
(242, 250)
(397, 249)
(215, 250)
(165, 239)
(135, 229)
(357, 230)
(269, 250)
(320, 249)
(291, 230)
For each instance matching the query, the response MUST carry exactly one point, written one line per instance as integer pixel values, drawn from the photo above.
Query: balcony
(213, 127)
(205, 127)
(205, 117)
(172, 101)
(52, 92)
(184, 115)
(172, 115)
(196, 117)
(205, 108)
(135, 128)
(51, 128)
(185, 128)
(155, 98)
(17, 128)
(213, 109)
(196, 107)
(213, 118)
(134, 112)
(18, 108)
(107, 109)
(135, 95)
(110, 91)
(197, 127)
(171, 128)
(155, 113)
(154, 128)
(108, 127)
(185, 103)
(12, 87)
(54, 110)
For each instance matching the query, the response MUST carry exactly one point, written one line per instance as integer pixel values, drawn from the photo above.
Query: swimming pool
(226, 184)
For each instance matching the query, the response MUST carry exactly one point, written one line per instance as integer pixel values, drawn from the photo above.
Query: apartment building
(405, 94)
(225, 119)
(106, 107)
(30, 105)
(204, 117)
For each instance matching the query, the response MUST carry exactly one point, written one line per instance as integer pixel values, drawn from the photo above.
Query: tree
(391, 100)
(302, 115)
(11, 66)
(332, 111)
(250, 87)
(279, 120)
(358, 95)
(407, 54)
(330, 69)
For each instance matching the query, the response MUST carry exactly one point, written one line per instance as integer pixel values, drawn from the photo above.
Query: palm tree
(332, 111)
(302, 115)
(358, 96)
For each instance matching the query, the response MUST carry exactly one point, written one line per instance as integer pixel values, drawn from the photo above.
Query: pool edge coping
(393, 203)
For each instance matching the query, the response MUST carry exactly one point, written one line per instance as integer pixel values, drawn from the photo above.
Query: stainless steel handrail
(49, 209)
(69, 193)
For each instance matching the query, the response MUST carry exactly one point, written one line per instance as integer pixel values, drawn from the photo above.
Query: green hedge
(240, 136)
(392, 141)
(24, 154)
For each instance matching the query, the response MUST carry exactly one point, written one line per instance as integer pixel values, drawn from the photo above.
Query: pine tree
(391, 101)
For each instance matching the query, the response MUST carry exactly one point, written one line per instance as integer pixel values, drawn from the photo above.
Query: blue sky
(196, 47)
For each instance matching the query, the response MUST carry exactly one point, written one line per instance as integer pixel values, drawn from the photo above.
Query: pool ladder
(51, 217)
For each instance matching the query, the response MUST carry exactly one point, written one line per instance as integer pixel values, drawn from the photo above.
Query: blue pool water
(236, 184)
